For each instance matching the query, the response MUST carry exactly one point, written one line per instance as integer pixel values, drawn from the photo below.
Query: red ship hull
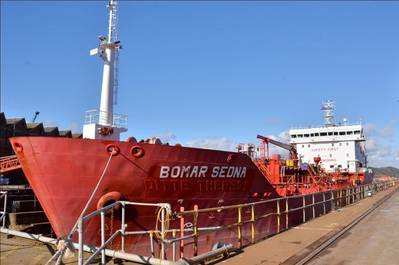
(64, 172)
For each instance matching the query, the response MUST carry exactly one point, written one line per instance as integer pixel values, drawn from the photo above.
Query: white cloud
(49, 124)
(222, 143)
(381, 147)
(166, 137)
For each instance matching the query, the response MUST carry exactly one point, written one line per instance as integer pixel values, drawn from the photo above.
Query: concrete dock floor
(375, 240)
(291, 246)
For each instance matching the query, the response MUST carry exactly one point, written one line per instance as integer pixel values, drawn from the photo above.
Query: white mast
(106, 124)
(109, 47)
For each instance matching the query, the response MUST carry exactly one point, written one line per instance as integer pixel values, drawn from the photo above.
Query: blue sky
(209, 73)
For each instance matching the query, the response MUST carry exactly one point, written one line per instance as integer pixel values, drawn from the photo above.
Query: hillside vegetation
(388, 171)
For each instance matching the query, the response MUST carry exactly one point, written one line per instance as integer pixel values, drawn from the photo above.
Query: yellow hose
(162, 235)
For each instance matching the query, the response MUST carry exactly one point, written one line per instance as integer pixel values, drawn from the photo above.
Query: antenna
(328, 107)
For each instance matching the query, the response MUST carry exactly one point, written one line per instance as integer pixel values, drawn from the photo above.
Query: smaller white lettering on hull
(202, 172)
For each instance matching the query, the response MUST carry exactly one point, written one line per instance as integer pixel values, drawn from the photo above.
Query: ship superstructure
(340, 147)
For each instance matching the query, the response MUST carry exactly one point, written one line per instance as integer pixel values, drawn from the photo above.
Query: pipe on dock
(200, 258)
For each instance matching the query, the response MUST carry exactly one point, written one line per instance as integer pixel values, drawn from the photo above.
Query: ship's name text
(202, 172)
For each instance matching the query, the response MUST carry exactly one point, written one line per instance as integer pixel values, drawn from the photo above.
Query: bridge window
(316, 134)
(357, 132)
(335, 133)
(312, 134)
(341, 133)
(306, 135)
(293, 136)
(323, 134)
(330, 133)
(349, 133)
(300, 135)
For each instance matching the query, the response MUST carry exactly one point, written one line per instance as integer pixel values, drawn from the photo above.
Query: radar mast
(104, 124)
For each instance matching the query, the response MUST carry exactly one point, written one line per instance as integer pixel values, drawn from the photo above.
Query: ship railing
(95, 116)
(164, 210)
(3, 196)
(190, 230)
(326, 200)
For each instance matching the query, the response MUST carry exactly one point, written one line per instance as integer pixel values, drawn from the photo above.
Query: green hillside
(389, 171)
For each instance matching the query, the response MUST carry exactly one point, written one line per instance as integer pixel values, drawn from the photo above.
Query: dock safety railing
(188, 234)
(3, 196)
(163, 209)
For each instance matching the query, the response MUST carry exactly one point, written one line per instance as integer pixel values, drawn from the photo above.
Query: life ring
(137, 151)
(108, 199)
(112, 149)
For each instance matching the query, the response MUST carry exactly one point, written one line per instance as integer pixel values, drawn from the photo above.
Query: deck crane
(289, 147)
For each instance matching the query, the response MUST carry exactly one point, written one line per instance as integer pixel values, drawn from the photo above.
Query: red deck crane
(266, 140)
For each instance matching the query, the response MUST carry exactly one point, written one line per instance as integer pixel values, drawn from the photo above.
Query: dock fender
(109, 198)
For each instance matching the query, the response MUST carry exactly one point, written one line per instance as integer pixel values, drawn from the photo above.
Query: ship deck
(370, 241)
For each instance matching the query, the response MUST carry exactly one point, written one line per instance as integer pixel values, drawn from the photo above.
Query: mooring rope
(60, 253)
